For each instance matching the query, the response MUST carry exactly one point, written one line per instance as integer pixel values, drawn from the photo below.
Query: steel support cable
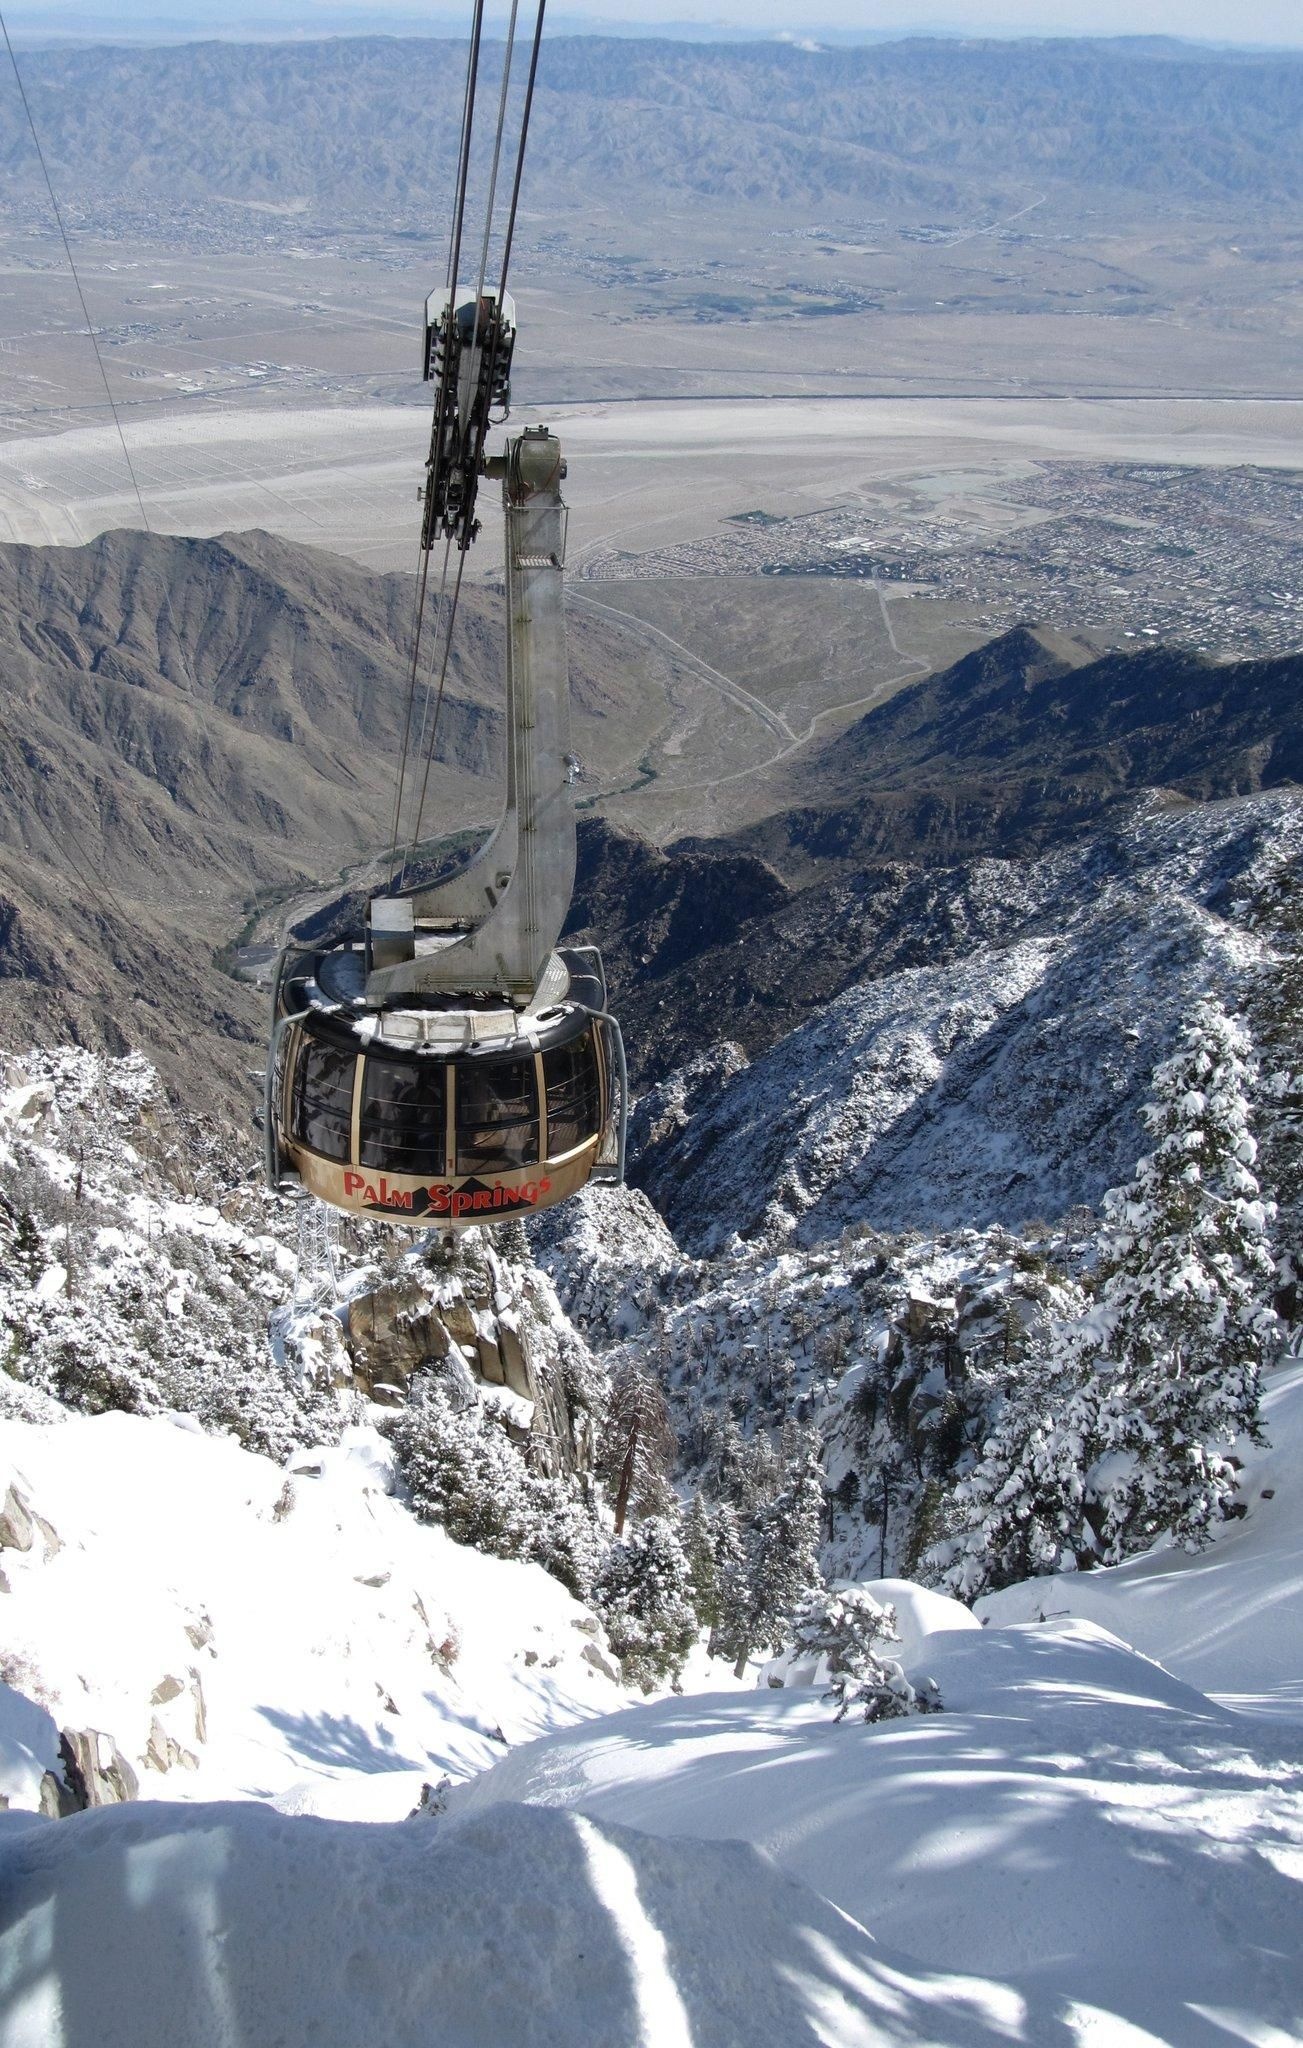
(510, 235)
(497, 159)
(446, 381)
(479, 295)
(440, 594)
(440, 412)
(443, 677)
(502, 286)
(90, 329)
(418, 610)
(524, 133)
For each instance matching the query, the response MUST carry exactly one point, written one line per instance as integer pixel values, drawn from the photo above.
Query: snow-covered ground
(1116, 1854)
(1082, 1848)
(1120, 1860)
(234, 1927)
(234, 1629)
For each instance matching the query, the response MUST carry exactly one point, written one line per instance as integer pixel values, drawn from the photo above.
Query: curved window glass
(497, 1115)
(323, 1099)
(574, 1093)
(402, 1124)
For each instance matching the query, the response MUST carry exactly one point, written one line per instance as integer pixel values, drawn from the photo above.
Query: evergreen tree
(644, 1596)
(1184, 1323)
(1276, 1017)
(1116, 1430)
(784, 1558)
(637, 1451)
(1022, 1510)
(462, 1471)
(699, 1549)
(734, 1597)
(849, 1629)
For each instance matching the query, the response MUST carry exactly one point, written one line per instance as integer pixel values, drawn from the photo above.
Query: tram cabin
(450, 1110)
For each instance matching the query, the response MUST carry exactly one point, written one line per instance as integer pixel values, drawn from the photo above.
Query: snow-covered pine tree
(850, 1630)
(1022, 1510)
(699, 1549)
(1275, 1012)
(1184, 1322)
(644, 1596)
(463, 1472)
(637, 1451)
(733, 1593)
(784, 1557)
(1116, 1426)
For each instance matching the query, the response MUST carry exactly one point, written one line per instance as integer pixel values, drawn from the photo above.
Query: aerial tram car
(451, 1063)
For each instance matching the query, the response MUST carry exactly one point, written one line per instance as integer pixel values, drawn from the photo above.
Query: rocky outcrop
(96, 1771)
(494, 1322)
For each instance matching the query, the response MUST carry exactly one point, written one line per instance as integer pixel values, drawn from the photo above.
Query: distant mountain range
(910, 842)
(186, 725)
(366, 128)
(167, 759)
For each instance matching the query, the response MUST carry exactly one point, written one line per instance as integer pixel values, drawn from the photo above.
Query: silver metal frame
(516, 892)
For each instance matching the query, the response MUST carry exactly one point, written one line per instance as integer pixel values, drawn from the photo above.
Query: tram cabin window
(323, 1100)
(402, 1122)
(497, 1115)
(574, 1093)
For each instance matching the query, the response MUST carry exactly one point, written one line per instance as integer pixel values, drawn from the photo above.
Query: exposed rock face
(95, 1768)
(17, 1529)
(493, 1322)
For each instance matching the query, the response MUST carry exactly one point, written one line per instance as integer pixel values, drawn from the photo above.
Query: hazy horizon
(1258, 23)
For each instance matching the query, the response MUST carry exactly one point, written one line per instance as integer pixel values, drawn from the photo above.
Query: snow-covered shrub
(844, 1629)
(644, 1596)
(119, 1287)
(462, 1470)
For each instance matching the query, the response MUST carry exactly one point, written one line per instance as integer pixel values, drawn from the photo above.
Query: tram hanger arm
(518, 927)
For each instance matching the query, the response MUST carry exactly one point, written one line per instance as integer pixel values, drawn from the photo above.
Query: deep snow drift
(230, 1926)
(1118, 1855)
(1081, 1851)
(234, 1629)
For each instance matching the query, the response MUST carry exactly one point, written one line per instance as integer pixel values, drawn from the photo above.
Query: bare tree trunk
(625, 1487)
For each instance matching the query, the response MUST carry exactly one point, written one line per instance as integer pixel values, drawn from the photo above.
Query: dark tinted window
(323, 1100)
(403, 1115)
(574, 1095)
(497, 1115)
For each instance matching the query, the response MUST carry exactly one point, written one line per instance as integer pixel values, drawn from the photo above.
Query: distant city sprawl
(1202, 557)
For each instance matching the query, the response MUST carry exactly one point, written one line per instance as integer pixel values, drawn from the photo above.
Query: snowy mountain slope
(1229, 1619)
(237, 1605)
(136, 1269)
(234, 1628)
(234, 1927)
(999, 1087)
(887, 1349)
(1119, 1859)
